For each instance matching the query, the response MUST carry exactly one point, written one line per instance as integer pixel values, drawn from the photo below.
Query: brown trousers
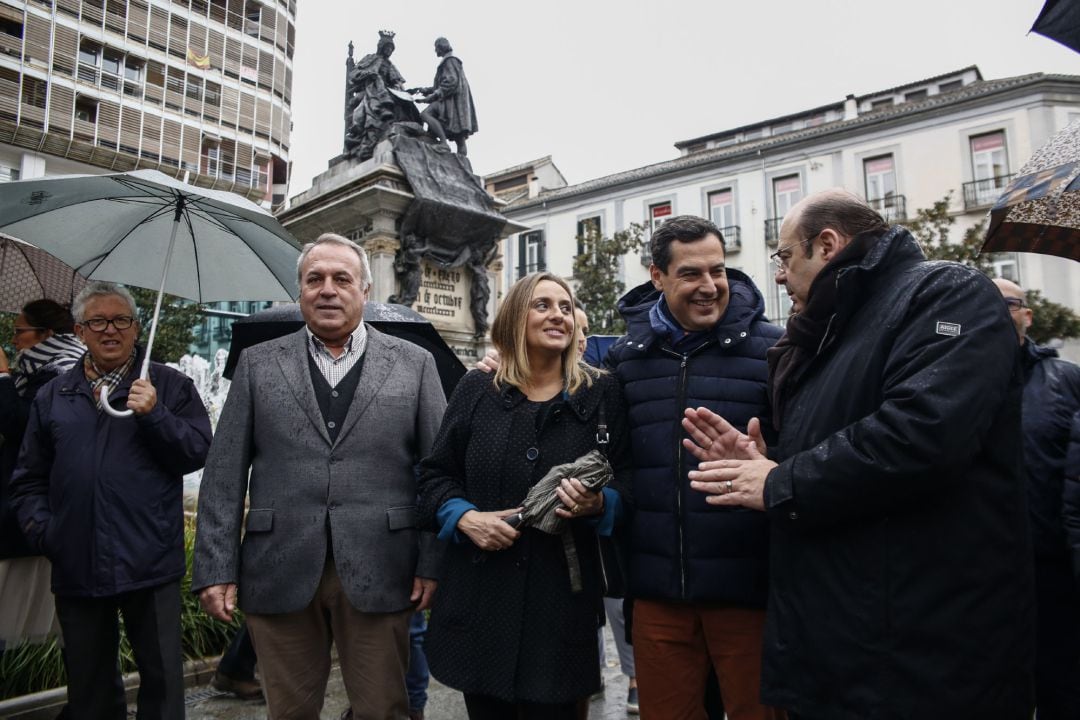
(673, 644)
(294, 656)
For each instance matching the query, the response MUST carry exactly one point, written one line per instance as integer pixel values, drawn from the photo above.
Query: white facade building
(902, 149)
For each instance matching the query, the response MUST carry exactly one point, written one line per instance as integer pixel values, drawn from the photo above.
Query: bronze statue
(374, 99)
(451, 114)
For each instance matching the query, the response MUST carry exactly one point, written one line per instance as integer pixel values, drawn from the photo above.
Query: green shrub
(32, 667)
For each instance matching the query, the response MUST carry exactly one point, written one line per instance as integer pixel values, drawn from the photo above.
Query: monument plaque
(443, 298)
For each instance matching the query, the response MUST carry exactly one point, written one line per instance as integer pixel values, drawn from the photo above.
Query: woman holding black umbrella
(510, 626)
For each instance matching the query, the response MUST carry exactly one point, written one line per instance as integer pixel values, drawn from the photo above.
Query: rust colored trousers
(673, 646)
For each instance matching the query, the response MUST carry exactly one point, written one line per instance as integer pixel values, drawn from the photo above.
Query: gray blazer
(363, 486)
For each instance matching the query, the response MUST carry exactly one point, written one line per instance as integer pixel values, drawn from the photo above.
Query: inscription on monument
(443, 297)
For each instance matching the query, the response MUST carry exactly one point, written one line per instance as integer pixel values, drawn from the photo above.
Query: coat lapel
(379, 360)
(293, 359)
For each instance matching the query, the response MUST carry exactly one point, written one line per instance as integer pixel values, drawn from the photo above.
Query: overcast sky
(609, 85)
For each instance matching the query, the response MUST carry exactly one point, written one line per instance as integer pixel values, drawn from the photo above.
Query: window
(915, 95)
(193, 87)
(531, 252)
(111, 61)
(588, 229)
(86, 109)
(988, 156)
(515, 182)
(950, 86)
(88, 53)
(33, 91)
(880, 175)
(211, 157)
(787, 191)
(155, 73)
(212, 94)
(881, 104)
(1006, 267)
(132, 69)
(658, 213)
(722, 208)
(8, 174)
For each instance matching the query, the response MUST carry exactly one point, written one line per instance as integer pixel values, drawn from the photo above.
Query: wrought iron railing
(982, 193)
(772, 230)
(893, 207)
(732, 238)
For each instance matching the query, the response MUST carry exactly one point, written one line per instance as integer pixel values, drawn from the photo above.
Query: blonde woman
(506, 628)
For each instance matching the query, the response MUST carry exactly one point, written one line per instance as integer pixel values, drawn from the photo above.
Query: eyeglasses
(120, 322)
(19, 330)
(1015, 303)
(781, 261)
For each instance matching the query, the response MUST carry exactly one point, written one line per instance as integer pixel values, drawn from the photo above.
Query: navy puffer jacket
(679, 547)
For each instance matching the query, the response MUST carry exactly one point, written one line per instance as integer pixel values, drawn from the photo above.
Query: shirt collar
(356, 343)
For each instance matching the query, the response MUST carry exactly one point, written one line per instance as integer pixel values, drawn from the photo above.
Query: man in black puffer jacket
(696, 336)
(900, 583)
(1051, 403)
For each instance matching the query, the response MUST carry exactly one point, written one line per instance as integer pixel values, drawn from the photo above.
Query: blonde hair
(508, 335)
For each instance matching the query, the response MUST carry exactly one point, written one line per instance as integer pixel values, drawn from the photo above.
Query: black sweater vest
(334, 401)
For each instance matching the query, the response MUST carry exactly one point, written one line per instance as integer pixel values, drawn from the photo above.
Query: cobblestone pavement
(205, 703)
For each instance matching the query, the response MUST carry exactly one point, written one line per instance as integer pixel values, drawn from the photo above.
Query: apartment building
(198, 89)
(900, 148)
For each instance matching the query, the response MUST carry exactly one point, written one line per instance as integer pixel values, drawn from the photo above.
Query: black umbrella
(1060, 21)
(396, 320)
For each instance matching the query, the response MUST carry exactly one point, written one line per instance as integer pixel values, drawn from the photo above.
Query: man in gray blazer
(322, 429)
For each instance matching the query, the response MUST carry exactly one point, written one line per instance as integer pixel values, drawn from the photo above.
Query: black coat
(505, 623)
(102, 497)
(1051, 401)
(901, 577)
(681, 548)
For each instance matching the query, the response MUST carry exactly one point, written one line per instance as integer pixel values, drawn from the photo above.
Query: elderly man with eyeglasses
(1051, 407)
(900, 577)
(101, 497)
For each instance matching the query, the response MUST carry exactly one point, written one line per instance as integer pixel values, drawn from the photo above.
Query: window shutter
(522, 255)
(541, 251)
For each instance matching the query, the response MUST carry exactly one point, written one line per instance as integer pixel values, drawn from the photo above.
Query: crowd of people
(871, 513)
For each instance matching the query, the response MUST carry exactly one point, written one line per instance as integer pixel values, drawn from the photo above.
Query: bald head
(1017, 302)
(836, 209)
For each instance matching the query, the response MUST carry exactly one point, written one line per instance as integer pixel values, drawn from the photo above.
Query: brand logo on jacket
(948, 328)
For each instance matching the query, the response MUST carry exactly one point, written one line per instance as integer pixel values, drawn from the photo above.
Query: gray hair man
(321, 431)
(1051, 409)
(101, 497)
(900, 579)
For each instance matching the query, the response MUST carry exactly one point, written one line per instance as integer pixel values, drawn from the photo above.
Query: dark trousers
(485, 707)
(1057, 660)
(92, 645)
(238, 660)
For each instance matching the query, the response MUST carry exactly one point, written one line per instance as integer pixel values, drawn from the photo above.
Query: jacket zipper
(684, 361)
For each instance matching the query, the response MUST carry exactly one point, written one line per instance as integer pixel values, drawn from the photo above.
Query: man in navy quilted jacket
(696, 336)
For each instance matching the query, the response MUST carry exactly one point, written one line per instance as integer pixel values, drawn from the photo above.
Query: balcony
(732, 238)
(983, 193)
(772, 231)
(892, 207)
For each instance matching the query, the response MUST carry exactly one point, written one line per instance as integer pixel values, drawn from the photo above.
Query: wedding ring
(576, 509)
(730, 486)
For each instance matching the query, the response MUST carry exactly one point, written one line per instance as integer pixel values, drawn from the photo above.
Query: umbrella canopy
(1060, 21)
(117, 228)
(1040, 209)
(28, 273)
(396, 320)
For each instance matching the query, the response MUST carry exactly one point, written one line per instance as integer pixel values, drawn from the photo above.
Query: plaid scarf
(112, 378)
(56, 354)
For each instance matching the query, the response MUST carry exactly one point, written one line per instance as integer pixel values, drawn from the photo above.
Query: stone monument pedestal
(367, 202)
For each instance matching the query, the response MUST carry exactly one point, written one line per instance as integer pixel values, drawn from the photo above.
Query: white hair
(334, 239)
(101, 289)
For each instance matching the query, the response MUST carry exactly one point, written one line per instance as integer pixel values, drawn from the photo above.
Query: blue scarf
(664, 324)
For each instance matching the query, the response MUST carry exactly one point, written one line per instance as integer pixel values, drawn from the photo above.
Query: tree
(176, 324)
(1050, 320)
(931, 228)
(596, 270)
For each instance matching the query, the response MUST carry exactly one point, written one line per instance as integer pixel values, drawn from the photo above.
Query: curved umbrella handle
(109, 409)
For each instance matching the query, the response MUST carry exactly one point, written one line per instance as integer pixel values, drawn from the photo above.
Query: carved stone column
(381, 249)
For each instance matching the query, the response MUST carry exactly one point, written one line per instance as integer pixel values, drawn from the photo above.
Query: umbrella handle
(109, 409)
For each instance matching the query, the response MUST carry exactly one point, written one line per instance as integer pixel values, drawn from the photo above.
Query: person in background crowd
(900, 582)
(514, 624)
(1050, 407)
(235, 672)
(101, 497)
(322, 430)
(45, 346)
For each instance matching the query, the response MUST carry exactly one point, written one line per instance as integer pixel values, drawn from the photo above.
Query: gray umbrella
(538, 509)
(146, 229)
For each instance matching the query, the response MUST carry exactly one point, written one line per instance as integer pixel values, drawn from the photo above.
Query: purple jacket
(101, 497)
